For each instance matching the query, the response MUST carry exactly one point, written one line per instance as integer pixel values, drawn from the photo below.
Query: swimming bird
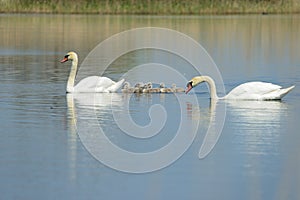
(88, 84)
(176, 89)
(138, 88)
(163, 88)
(151, 89)
(246, 91)
(154, 90)
(147, 87)
(126, 88)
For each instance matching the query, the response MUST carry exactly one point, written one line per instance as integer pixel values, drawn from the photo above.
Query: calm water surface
(42, 157)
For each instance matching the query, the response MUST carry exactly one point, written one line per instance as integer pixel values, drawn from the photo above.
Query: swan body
(246, 91)
(91, 83)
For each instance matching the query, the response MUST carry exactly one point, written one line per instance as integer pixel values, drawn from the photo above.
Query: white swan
(246, 91)
(91, 83)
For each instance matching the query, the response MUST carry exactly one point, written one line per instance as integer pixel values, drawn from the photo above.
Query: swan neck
(212, 87)
(72, 75)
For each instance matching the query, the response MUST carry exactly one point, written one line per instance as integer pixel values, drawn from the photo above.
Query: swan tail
(278, 94)
(285, 91)
(116, 86)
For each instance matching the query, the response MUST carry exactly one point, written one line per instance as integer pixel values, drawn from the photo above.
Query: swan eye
(66, 56)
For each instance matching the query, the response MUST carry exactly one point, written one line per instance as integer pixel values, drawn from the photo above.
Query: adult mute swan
(91, 83)
(245, 91)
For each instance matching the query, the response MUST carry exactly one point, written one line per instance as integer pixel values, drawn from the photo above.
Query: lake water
(44, 155)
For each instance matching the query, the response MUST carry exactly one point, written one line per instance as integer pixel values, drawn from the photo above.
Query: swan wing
(87, 84)
(114, 87)
(107, 85)
(253, 90)
(97, 84)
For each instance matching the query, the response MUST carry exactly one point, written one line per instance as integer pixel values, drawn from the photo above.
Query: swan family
(246, 91)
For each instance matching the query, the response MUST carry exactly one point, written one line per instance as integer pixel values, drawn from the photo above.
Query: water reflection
(257, 111)
(82, 109)
(258, 124)
(258, 121)
(250, 41)
(72, 139)
(217, 113)
(93, 112)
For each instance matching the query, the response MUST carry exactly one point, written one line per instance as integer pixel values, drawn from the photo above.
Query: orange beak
(64, 60)
(189, 87)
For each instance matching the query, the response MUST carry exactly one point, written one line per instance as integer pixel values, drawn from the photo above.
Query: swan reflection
(255, 113)
(256, 120)
(213, 118)
(258, 124)
(95, 100)
(103, 123)
(82, 109)
(94, 111)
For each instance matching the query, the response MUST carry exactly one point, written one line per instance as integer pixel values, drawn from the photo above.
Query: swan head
(149, 85)
(162, 85)
(126, 85)
(194, 82)
(70, 56)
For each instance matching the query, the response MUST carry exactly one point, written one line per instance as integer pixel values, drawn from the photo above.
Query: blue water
(42, 156)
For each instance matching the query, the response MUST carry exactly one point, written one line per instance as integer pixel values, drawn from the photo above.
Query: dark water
(43, 157)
